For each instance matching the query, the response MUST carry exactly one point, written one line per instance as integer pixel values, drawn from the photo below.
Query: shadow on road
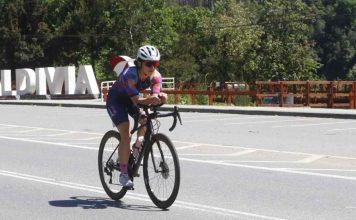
(99, 203)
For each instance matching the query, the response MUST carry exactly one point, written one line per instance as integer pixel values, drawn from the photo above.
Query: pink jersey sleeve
(156, 83)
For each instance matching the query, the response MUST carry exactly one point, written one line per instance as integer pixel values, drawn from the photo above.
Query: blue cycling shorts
(119, 107)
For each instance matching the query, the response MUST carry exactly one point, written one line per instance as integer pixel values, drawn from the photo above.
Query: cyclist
(124, 96)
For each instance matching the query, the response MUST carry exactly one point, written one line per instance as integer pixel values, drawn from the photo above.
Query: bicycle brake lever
(174, 123)
(180, 120)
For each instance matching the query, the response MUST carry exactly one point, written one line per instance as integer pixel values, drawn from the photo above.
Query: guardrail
(327, 94)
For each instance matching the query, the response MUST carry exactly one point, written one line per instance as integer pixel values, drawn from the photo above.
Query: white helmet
(149, 53)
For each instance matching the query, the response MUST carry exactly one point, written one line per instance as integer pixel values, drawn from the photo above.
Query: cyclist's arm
(135, 97)
(150, 100)
(156, 87)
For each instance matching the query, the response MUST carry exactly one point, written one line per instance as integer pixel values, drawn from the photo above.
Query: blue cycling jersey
(119, 103)
(123, 88)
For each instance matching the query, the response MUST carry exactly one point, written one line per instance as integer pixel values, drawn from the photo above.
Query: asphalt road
(232, 166)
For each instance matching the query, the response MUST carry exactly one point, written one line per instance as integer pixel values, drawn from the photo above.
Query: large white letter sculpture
(57, 76)
(25, 81)
(37, 81)
(5, 85)
(86, 81)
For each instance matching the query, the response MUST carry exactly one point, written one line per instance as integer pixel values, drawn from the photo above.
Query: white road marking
(50, 129)
(31, 130)
(99, 135)
(208, 155)
(136, 196)
(282, 170)
(204, 161)
(59, 134)
(4, 172)
(227, 119)
(49, 143)
(270, 121)
(248, 151)
(188, 146)
(311, 159)
(223, 155)
(312, 169)
(264, 150)
(254, 161)
(342, 129)
(316, 124)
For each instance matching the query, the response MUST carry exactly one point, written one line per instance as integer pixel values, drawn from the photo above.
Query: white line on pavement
(244, 152)
(205, 161)
(188, 146)
(312, 169)
(342, 129)
(283, 170)
(316, 124)
(136, 196)
(270, 121)
(227, 119)
(49, 129)
(49, 143)
(311, 159)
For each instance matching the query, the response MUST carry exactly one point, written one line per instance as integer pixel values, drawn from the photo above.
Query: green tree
(23, 33)
(233, 39)
(285, 51)
(335, 36)
(183, 55)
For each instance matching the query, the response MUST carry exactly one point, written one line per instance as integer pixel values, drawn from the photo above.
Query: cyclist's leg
(124, 149)
(133, 111)
(119, 115)
(124, 153)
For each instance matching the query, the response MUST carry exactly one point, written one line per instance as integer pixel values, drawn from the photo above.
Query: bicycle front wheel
(161, 171)
(108, 167)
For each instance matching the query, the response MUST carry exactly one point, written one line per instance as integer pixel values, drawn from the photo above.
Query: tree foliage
(335, 37)
(232, 40)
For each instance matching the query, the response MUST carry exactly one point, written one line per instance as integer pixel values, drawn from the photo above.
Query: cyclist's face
(149, 67)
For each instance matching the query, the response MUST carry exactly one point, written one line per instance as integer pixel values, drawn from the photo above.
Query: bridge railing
(329, 94)
(326, 94)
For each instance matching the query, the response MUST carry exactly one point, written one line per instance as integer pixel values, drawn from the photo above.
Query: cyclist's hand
(163, 96)
(154, 100)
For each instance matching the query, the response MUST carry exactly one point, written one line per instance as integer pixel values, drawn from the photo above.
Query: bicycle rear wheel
(107, 164)
(161, 171)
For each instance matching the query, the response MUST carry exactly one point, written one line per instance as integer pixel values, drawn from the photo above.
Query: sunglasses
(154, 64)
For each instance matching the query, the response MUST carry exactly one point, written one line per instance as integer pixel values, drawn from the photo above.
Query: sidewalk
(305, 112)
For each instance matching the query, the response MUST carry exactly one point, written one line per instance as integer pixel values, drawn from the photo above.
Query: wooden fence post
(331, 95)
(176, 96)
(307, 95)
(210, 94)
(258, 92)
(281, 92)
(192, 94)
(353, 96)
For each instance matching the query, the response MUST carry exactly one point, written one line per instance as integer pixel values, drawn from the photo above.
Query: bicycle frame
(149, 132)
(159, 170)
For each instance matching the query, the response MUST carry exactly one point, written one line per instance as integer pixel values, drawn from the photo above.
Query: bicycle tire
(108, 145)
(157, 182)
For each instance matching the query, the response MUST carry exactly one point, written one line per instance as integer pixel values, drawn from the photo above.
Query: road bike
(161, 169)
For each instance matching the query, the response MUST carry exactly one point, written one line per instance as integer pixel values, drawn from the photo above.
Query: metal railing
(326, 94)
